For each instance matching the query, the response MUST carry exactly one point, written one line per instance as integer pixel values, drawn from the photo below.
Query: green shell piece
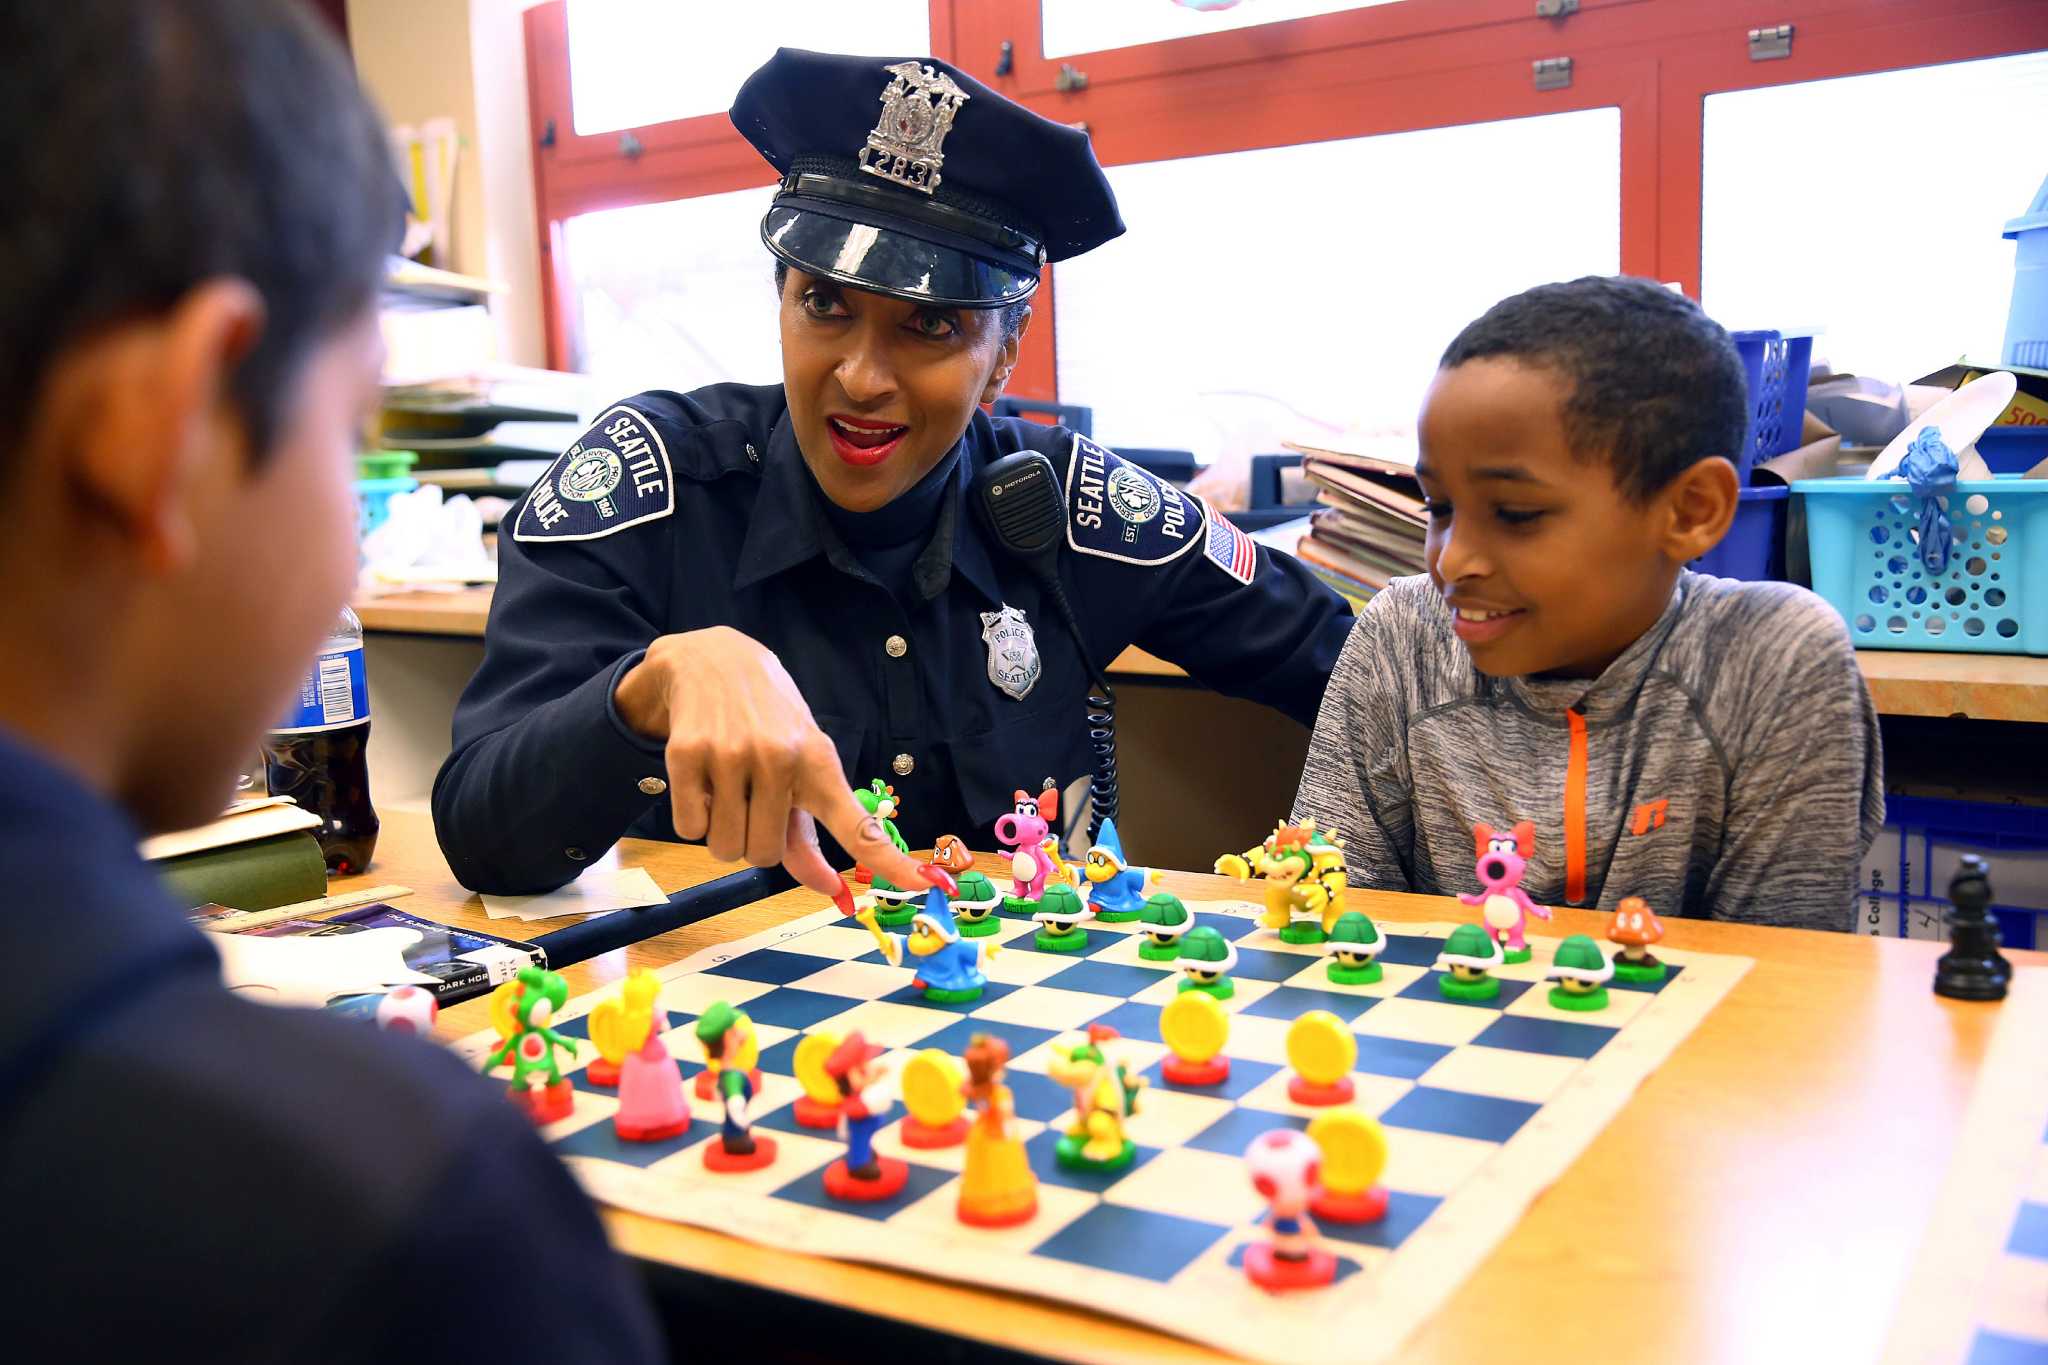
(1203, 944)
(1353, 926)
(1579, 953)
(973, 886)
(1061, 902)
(1164, 908)
(1468, 940)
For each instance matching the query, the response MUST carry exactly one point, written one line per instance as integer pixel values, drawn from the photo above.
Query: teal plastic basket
(1992, 598)
(373, 501)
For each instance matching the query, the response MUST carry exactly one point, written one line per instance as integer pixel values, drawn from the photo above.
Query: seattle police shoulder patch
(616, 475)
(1119, 511)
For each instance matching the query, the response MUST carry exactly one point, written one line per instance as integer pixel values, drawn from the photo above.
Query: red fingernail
(843, 898)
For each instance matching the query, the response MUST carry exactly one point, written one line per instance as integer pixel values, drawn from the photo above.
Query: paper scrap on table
(600, 890)
(311, 970)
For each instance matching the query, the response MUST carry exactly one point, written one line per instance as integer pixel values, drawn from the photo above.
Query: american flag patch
(1228, 548)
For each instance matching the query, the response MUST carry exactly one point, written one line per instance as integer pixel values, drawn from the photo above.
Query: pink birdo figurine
(1286, 1166)
(1503, 857)
(1022, 833)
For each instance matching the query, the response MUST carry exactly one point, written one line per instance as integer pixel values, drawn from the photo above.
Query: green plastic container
(386, 464)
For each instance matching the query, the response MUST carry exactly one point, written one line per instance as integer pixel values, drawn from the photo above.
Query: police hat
(908, 177)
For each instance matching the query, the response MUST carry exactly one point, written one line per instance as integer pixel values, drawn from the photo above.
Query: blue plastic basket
(1903, 887)
(1776, 367)
(373, 501)
(1754, 547)
(1992, 598)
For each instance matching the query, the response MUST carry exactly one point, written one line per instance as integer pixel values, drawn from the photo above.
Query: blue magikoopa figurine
(948, 966)
(1117, 890)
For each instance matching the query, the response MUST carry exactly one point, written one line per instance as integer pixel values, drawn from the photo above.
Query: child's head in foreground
(196, 229)
(1575, 451)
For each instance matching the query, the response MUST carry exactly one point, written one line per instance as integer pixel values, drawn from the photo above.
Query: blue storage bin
(1992, 598)
(1903, 886)
(1776, 367)
(2013, 450)
(1754, 547)
(2026, 326)
(373, 501)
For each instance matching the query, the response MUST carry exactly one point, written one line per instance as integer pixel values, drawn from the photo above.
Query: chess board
(1484, 1105)
(1979, 1289)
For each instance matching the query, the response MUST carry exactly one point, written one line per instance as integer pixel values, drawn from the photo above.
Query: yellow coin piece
(809, 1064)
(1354, 1150)
(1320, 1048)
(931, 1088)
(503, 1020)
(608, 1030)
(1195, 1025)
(750, 1051)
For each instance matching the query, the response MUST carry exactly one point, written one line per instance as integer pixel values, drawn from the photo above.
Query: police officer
(716, 608)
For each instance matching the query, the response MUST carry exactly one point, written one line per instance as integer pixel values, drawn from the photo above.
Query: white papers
(601, 889)
(310, 970)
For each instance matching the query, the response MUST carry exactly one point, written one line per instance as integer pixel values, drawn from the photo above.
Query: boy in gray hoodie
(1706, 744)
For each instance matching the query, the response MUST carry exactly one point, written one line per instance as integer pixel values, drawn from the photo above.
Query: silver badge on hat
(918, 106)
(1013, 663)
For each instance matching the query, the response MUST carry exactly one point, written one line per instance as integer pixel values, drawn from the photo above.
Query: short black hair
(1655, 384)
(156, 145)
(1011, 314)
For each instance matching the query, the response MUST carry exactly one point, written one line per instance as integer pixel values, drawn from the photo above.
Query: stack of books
(1369, 525)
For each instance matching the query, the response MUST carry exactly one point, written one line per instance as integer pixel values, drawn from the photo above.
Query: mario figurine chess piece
(948, 966)
(626, 1030)
(1118, 896)
(1469, 959)
(1582, 972)
(861, 1176)
(728, 1035)
(521, 1010)
(1285, 1166)
(1205, 960)
(1166, 921)
(1503, 856)
(747, 1058)
(1635, 928)
(1353, 950)
(1060, 915)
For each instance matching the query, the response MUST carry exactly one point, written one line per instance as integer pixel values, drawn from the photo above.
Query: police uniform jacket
(677, 512)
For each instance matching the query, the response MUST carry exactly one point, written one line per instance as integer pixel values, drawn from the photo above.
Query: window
(676, 295)
(1872, 207)
(1075, 26)
(636, 62)
(1224, 321)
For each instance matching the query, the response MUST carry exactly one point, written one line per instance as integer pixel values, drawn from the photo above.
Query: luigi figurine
(1206, 958)
(1166, 922)
(1582, 972)
(1353, 949)
(725, 1034)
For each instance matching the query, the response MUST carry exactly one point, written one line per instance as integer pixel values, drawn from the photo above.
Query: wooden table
(1902, 682)
(1760, 1198)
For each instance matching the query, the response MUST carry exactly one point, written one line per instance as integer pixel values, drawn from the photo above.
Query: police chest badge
(1013, 662)
(616, 475)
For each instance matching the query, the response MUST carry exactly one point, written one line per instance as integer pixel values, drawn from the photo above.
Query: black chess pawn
(1971, 969)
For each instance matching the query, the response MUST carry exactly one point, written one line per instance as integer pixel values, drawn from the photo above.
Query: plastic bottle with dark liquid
(319, 755)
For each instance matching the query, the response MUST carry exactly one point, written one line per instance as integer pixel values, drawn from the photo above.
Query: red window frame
(1390, 68)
